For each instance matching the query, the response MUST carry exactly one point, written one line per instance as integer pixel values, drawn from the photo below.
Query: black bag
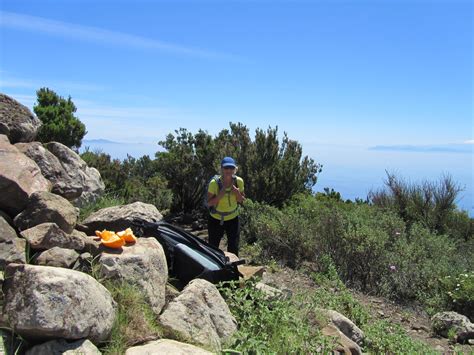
(188, 256)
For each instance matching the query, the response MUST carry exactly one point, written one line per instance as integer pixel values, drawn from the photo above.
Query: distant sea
(354, 171)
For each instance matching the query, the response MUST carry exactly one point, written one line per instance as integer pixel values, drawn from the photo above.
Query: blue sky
(363, 85)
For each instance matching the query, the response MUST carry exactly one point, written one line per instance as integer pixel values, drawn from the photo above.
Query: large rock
(51, 168)
(145, 257)
(57, 257)
(17, 121)
(43, 302)
(44, 207)
(19, 178)
(344, 344)
(49, 235)
(118, 218)
(166, 347)
(61, 346)
(444, 322)
(79, 173)
(12, 248)
(345, 325)
(200, 314)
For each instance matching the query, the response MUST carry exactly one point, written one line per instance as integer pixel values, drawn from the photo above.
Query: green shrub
(431, 204)
(460, 292)
(106, 200)
(131, 179)
(384, 337)
(371, 248)
(271, 327)
(416, 262)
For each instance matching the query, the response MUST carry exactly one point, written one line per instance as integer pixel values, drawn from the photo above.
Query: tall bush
(373, 249)
(433, 204)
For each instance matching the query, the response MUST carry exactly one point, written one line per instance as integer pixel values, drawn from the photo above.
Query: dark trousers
(231, 228)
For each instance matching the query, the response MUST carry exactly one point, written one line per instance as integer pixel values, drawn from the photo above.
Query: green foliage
(372, 249)
(187, 165)
(417, 260)
(460, 292)
(135, 321)
(271, 327)
(59, 122)
(384, 337)
(294, 326)
(132, 179)
(273, 171)
(106, 200)
(431, 204)
(381, 337)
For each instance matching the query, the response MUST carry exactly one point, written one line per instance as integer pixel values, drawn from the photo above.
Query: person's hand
(237, 193)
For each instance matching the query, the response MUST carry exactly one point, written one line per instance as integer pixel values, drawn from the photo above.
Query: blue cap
(228, 161)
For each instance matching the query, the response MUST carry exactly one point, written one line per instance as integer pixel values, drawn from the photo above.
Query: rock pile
(47, 299)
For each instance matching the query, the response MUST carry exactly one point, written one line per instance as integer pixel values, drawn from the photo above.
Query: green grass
(293, 326)
(107, 200)
(135, 321)
(271, 327)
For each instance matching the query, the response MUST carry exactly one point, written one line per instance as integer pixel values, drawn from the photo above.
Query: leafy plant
(460, 292)
(59, 122)
(384, 337)
(428, 203)
(107, 200)
(270, 326)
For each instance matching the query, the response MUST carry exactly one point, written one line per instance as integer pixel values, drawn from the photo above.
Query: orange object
(127, 235)
(105, 234)
(114, 242)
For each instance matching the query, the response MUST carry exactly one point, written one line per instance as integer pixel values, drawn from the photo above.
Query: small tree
(59, 122)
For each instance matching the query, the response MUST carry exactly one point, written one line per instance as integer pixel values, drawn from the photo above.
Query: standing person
(225, 193)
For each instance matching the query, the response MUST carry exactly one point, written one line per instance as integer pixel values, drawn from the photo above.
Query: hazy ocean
(355, 170)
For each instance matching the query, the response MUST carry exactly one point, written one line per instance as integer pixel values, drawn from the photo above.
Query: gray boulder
(17, 121)
(19, 178)
(57, 257)
(49, 235)
(200, 314)
(166, 347)
(344, 345)
(12, 248)
(345, 325)
(143, 265)
(51, 168)
(444, 322)
(63, 347)
(43, 303)
(93, 245)
(270, 293)
(118, 218)
(44, 207)
(79, 174)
